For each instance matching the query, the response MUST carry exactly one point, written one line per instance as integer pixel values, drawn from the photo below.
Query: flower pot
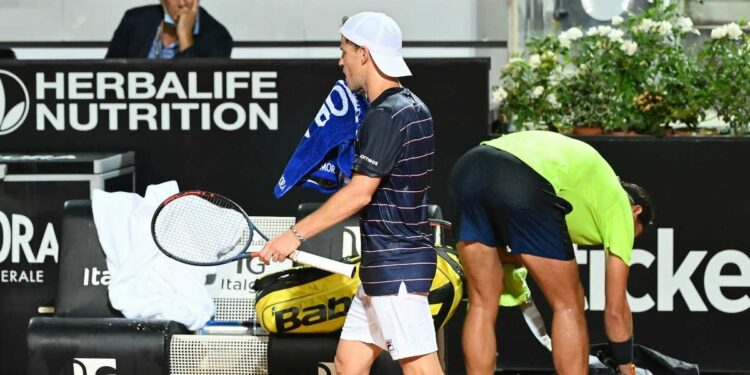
(620, 133)
(680, 132)
(588, 130)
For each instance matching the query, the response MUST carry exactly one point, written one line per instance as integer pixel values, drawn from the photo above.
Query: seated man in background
(173, 29)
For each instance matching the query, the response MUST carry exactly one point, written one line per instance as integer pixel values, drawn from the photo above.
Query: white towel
(146, 284)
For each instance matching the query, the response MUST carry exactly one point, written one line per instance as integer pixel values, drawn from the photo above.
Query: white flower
(615, 35)
(537, 92)
(552, 99)
(719, 32)
(731, 30)
(534, 61)
(548, 55)
(569, 71)
(651, 1)
(566, 37)
(665, 28)
(601, 30)
(564, 40)
(684, 24)
(646, 25)
(734, 31)
(629, 47)
(616, 20)
(498, 96)
(574, 33)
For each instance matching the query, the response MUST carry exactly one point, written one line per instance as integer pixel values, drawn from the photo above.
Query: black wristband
(622, 352)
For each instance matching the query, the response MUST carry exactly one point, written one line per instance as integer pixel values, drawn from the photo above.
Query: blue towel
(324, 157)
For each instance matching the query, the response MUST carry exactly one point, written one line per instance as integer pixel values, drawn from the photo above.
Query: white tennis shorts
(400, 324)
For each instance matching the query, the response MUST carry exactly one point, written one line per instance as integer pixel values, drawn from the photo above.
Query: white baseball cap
(382, 36)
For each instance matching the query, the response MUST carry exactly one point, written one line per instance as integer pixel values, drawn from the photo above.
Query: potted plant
(664, 74)
(594, 94)
(725, 64)
(528, 90)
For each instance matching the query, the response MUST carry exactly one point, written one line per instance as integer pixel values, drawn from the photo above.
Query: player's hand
(627, 369)
(186, 18)
(279, 248)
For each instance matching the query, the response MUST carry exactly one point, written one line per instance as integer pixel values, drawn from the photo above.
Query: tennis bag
(308, 300)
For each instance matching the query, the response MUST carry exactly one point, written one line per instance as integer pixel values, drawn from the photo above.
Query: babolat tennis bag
(308, 300)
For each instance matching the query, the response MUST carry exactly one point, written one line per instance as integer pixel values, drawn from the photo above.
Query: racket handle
(322, 263)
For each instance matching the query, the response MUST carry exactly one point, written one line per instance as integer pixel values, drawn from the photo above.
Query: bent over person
(526, 198)
(391, 179)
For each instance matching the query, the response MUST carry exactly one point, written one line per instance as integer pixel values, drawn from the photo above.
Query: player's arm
(618, 320)
(380, 145)
(340, 206)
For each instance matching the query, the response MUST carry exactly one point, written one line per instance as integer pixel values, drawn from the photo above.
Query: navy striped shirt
(395, 142)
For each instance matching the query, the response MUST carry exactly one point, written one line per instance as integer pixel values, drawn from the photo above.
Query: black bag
(643, 357)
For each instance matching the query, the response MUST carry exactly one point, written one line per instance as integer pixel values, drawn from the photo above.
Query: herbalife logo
(14, 102)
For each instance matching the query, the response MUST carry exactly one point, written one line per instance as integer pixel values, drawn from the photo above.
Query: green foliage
(638, 74)
(725, 64)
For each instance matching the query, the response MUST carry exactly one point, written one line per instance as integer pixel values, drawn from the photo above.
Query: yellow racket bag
(308, 300)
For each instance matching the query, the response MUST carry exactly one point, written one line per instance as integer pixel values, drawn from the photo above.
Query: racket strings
(202, 229)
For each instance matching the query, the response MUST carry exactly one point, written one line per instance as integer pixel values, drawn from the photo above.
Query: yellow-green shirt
(601, 208)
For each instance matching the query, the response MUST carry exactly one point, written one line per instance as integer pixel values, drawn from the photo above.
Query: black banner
(225, 126)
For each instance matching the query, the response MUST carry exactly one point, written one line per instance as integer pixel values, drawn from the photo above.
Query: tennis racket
(207, 229)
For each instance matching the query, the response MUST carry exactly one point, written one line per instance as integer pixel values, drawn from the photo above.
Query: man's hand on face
(186, 17)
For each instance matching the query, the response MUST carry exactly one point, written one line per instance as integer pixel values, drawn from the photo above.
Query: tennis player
(527, 197)
(391, 179)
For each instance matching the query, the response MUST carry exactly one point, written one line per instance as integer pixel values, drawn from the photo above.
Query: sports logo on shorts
(389, 345)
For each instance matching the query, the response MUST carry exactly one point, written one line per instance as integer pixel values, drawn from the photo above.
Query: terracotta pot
(620, 133)
(681, 133)
(588, 130)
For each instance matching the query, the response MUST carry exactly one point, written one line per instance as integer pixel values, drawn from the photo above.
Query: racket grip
(322, 263)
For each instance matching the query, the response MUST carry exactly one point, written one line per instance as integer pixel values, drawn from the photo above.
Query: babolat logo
(293, 318)
(14, 102)
(94, 366)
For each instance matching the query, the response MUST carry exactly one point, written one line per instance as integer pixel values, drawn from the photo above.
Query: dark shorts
(501, 201)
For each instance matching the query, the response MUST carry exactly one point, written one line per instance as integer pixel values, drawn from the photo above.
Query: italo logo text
(84, 101)
(95, 277)
(725, 276)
